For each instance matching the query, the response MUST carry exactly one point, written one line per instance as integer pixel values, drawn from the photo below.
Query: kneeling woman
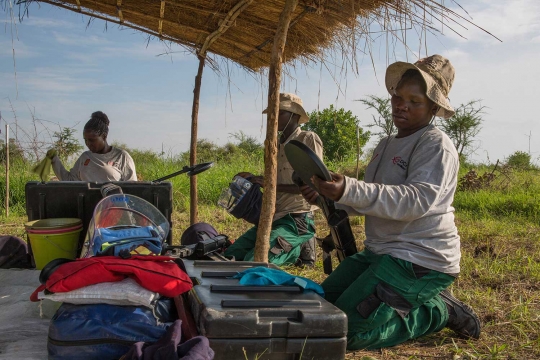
(395, 289)
(102, 162)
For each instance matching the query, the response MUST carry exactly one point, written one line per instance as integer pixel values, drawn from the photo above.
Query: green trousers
(285, 241)
(387, 300)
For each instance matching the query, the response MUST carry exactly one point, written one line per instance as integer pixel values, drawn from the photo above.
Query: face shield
(125, 224)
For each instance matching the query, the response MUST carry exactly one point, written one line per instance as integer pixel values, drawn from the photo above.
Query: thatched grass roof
(243, 30)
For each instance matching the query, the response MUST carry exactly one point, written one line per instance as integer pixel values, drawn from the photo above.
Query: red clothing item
(156, 273)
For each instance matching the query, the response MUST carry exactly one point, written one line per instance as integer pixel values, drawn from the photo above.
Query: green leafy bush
(519, 160)
(337, 129)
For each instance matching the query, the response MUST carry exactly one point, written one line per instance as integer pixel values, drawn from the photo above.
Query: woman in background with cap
(394, 290)
(102, 162)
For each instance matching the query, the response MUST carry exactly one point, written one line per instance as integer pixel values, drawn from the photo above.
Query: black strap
(327, 245)
(327, 262)
(51, 267)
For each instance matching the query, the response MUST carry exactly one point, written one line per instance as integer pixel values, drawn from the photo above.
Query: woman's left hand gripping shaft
(332, 190)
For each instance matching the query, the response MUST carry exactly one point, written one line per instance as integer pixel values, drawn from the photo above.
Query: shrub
(338, 130)
(519, 160)
(472, 181)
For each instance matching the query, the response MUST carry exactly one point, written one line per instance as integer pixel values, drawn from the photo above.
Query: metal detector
(307, 164)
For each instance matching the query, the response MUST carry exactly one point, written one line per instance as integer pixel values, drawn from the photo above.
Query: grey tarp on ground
(23, 334)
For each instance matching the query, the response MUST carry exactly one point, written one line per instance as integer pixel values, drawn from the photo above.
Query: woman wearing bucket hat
(395, 289)
(293, 229)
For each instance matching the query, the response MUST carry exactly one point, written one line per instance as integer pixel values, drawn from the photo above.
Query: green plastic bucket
(52, 223)
(50, 246)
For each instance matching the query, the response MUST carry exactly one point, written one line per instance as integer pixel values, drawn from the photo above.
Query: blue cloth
(264, 276)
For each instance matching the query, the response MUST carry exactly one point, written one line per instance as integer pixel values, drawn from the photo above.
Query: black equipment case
(78, 199)
(267, 322)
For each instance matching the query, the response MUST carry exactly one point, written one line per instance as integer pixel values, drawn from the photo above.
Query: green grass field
(499, 228)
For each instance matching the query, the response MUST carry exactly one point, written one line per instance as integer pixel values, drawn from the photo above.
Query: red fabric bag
(156, 273)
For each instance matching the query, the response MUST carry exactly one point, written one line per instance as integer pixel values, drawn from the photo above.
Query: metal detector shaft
(340, 228)
(185, 169)
(190, 170)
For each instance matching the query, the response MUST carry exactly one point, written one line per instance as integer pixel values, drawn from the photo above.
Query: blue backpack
(143, 240)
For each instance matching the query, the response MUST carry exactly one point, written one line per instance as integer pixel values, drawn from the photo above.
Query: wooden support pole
(7, 170)
(225, 24)
(201, 54)
(119, 9)
(161, 16)
(357, 150)
(193, 198)
(270, 144)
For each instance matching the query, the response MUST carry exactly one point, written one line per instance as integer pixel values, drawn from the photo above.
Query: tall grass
(515, 194)
(210, 183)
(488, 203)
(499, 225)
(19, 175)
(228, 161)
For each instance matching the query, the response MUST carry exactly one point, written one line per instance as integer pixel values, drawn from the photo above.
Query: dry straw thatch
(243, 30)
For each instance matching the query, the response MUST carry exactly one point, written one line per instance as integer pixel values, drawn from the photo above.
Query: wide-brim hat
(438, 74)
(293, 103)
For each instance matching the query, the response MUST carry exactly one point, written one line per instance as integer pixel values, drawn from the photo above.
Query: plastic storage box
(266, 322)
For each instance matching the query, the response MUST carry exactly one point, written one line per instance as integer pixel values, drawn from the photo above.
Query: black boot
(461, 317)
(307, 254)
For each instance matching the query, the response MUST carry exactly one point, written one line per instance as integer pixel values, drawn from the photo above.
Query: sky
(63, 70)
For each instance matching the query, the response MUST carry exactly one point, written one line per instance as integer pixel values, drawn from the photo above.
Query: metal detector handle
(190, 170)
(342, 234)
(110, 189)
(201, 249)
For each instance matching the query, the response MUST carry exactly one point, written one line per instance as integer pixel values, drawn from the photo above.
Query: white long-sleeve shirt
(116, 165)
(407, 200)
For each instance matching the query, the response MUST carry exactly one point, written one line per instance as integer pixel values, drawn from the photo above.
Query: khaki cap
(438, 73)
(293, 103)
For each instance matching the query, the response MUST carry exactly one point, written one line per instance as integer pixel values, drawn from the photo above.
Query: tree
(519, 160)
(16, 153)
(337, 130)
(66, 144)
(245, 142)
(463, 127)
(383, 120)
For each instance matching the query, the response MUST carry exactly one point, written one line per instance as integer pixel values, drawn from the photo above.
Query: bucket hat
(293, 103)
(437, 72)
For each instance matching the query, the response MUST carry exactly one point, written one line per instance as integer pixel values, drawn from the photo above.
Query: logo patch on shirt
(397, 160)
(114, 164)
(86, 162)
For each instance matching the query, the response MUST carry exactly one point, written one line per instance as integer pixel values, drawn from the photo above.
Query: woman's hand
(245, 174)
(309, 194)
(252, 178)
(332, 190)
(257, 180)
(51, 153)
